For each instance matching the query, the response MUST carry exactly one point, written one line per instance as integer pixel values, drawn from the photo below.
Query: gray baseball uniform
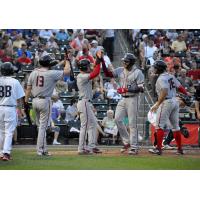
(169, 109)
(87, 117)
(129, 104)
(43, 82)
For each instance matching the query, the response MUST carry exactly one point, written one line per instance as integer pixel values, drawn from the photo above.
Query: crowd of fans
(23, 47)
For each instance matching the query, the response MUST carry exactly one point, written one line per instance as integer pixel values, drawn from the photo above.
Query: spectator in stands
(91, 34)
(45, 34)
(9, 47)
(94, 47)
(24, 59)
(35, 42)
(18, 41)
(98, 90)
(185, 81)
(142, 48)
(110, 127)
(108, 42)
(179, 44)
(57, 103)
(77, 43)
(5, 55)
(72, 111)
(70, 34)
(172, 34)
(56, 131)
(51, 44)
(61, 86)
(24, 49)
(150, 50)
(62, 35)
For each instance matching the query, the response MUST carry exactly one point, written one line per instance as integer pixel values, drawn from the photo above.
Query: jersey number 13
(40, 81)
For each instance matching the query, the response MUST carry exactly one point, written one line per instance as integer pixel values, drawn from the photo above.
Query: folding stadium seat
(66, 101)
(27, 68)
(100, 101)
(180, 54)
(102, 107)
(101, 115)
(66, 94)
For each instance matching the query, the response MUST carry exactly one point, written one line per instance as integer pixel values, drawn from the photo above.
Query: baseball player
(131, 84)
(167, 106)
(11, 93)
(41, 84)
(85, 107)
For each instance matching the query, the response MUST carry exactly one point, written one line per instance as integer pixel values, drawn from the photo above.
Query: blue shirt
(19, 53)
(61, 36)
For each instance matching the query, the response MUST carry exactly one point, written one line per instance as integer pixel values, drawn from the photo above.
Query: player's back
(169, 82)
(10, 91)
(43, 81)
(84, 86)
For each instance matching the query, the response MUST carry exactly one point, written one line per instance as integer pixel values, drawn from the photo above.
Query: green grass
(27, 160)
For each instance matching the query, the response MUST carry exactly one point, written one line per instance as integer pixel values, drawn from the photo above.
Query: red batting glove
(122, 90)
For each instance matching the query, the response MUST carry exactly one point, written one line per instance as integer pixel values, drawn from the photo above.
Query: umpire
(41, 84)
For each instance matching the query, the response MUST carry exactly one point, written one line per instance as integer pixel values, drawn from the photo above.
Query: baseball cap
(94, 42)
(144, 36)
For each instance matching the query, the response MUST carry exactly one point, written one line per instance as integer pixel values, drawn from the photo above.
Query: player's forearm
(197, 107)
(95, 72)
(28, 93)
(161, 97)
(106, 71)
(67, 68)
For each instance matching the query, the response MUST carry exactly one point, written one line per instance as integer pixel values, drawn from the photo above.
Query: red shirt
(24, 60)
(89, 57)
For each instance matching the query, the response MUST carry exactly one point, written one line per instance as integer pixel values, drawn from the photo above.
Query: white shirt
(10, 91)
(45, 34)
(59, 105)
(109, 33)
(149, 51)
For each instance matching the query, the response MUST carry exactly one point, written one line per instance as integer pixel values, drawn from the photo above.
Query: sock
(160, 135)
(177, 136)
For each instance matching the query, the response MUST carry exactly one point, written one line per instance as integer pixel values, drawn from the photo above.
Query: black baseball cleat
(85, 152)
(125, 148)
(133, 152)
(155, 151)
(46, 153)
(180, 152)
(96, 150)
(6, 157)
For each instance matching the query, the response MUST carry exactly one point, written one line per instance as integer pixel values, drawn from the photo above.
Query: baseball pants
(128, 107)
(168, 111)
(8, 123)
(42, 108)
(88, 125)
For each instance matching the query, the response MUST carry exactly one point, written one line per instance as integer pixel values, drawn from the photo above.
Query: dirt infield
(193, 153)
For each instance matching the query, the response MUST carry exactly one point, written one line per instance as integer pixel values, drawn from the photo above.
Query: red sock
(177, 136)
(160, 135)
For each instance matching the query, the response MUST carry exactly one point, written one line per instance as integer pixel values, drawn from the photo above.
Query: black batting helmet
(160, 66)
(47, 61)
(84, 64)
(129, 58)
(7, 69)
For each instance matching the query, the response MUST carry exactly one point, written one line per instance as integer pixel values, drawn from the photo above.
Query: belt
(41, 97)
(8, 105)
(128, 96)
(167, 98)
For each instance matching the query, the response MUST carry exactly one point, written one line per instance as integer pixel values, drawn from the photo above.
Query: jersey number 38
(5, 91)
